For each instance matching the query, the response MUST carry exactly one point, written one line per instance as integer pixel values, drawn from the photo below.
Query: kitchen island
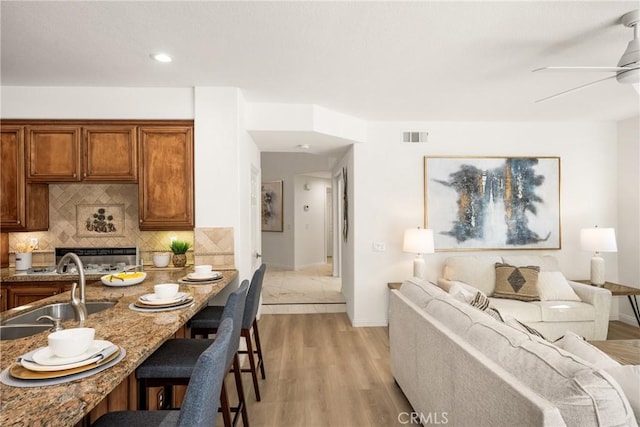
(140, 334)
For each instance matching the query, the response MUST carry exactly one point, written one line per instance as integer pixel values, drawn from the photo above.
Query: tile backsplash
(212, 245)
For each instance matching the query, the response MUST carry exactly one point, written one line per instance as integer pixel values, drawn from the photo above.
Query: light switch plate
(379, 246)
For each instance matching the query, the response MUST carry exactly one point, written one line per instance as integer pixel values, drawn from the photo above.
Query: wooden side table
(621, 290)
(394, 285)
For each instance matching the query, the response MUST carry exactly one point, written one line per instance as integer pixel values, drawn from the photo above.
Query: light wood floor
(323, 372)
(622, 331)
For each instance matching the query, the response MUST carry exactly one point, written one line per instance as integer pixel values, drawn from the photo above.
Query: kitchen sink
(63, 311)
(13, 332)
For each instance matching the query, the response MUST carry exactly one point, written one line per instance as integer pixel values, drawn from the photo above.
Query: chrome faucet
(79, 305)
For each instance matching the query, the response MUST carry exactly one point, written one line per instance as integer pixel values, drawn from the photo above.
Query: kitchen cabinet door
(4, 294)
(165, 178)
(24, 294)
(53, 153)
(23, 206)
(110, 153)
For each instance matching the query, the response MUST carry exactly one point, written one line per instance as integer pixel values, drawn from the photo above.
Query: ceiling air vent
(414, 136)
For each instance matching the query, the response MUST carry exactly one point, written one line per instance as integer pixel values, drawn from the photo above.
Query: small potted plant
(179, 249)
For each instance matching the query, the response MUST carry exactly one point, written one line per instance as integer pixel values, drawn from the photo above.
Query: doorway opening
(307, 281)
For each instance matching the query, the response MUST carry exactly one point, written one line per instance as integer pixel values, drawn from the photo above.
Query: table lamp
(598, 240)
(418, 241)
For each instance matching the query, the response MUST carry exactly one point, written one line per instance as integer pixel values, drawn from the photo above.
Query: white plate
(150, 299)
(212, 275)
(45, 357)
(154, 309)
(107, 280)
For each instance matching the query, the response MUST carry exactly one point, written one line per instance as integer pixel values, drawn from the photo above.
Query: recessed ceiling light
(304, 146)
(161, 57)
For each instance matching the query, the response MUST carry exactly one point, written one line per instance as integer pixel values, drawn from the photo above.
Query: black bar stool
(172, 363)
(208, 320)
(200, 405)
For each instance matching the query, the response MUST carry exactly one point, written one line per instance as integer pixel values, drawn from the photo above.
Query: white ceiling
(410, 61)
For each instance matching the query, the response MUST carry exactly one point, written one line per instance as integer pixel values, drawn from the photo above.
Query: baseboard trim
(628, 319)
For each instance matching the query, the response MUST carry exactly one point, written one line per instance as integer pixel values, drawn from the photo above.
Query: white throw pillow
(576, 345)
(461, 292)
(628, 378)
(552, 286)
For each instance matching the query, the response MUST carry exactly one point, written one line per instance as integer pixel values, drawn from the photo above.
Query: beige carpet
(312, 286)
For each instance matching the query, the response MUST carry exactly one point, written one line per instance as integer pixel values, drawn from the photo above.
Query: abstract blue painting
(493, 202)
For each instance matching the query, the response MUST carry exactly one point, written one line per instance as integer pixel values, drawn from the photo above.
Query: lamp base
(597, 270)
(419, 267)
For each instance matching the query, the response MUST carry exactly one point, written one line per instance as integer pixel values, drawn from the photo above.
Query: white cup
(161, 259)
(202, 270)
(165, 290)
(23, 260)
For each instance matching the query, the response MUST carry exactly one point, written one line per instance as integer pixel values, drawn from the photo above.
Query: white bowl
(161, 259)
(203, 270)
(165, 290)
(71, 342)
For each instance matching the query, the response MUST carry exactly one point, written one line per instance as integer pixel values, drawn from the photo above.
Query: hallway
(311, 290)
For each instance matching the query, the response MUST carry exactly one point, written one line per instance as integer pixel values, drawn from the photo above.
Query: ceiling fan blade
(596, 69)
(575, 89)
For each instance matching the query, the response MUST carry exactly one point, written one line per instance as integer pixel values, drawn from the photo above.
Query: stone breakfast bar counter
(140, 334)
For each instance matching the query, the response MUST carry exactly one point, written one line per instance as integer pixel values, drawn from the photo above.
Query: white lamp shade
(418, 241)
(598, 239)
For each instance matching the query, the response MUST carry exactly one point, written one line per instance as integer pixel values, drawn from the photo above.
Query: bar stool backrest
(253, 297)
(200, 405)
(234, 310)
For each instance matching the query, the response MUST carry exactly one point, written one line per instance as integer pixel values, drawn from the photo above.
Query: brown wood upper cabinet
(53, 153)
(23, 206)
(165, 178)
(70, 153)
(110, 153)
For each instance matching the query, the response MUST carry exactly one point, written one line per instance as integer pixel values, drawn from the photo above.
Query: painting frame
(478, 203)
(100, 220)
(272, 217)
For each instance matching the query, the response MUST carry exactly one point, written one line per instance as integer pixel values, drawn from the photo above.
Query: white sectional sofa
(588, 318)
(455, 362)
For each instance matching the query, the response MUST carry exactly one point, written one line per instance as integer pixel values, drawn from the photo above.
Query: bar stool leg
(259, 348)
(246, 333)
(241, 401)
(224, 406)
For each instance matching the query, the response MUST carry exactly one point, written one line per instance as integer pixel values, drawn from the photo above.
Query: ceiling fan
(626, 72)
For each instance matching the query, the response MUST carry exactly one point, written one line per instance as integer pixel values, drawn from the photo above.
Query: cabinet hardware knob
(85, 174)
(74, 175)
(140, 221)
(18, 221)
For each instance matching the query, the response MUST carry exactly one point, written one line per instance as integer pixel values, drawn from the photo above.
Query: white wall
(278, 248)
(310, 224)
(628, 232)
(348, 247)
(389, 193)
(224, 154)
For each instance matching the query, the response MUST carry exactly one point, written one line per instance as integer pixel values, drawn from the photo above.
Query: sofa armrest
(600, 299)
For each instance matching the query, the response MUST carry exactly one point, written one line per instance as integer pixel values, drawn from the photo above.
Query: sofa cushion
(455, 315)
(516, 282)
(545, 262)
(420, 292)
(577, 345)
(477, 271)
(523, 311)
(552, 286)
(565, 311)
(512, 321)
(628, 378)
(580, 392)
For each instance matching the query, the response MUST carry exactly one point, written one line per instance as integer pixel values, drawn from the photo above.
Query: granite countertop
(140, 334)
